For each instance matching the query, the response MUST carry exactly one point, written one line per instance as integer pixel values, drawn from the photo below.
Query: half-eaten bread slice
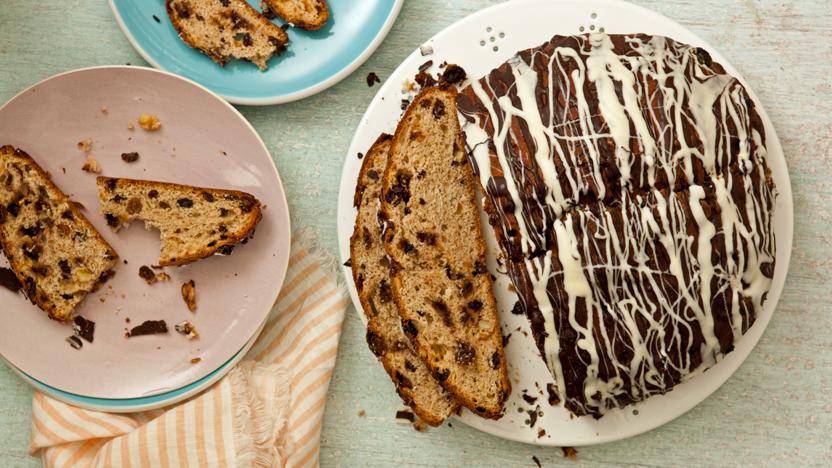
(194, 222)
(226, 29)
(54, 251)
(441, 284)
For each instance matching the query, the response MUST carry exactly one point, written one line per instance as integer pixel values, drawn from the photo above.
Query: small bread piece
(194, 222)
(225, 29)
(55, 252)
(371, 272)
(305, 14)
(441, 284)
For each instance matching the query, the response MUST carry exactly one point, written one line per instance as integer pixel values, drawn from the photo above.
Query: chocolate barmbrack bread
(56, 254)
(626, 178)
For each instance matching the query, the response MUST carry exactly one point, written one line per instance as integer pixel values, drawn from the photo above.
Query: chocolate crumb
(541, 433)
(553, 394)
(424, 79)
(75, 342)
(536, 461)
(156, 19)
(426, 65)
(453, 74)
(404, 414)
(348, 263)
(8, 280)
(84, 328)
(372, 79)
(360, 155)
(130, 157)
(149, 327)
(361, 413)
(517, 309)
(570, 453)
(529, 399)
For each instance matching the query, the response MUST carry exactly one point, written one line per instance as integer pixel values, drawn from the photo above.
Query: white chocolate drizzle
(640, 301)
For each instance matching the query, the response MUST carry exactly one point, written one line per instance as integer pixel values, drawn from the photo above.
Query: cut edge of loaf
(377, 338)
(497, 410)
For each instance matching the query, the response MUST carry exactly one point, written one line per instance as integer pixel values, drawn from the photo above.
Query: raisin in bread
(441, 284)
(194, 222)
(306, 14)
(225, 29)
(371, 272)
(55, 252)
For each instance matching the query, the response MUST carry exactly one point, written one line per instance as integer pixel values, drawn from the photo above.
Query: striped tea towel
(267, 411)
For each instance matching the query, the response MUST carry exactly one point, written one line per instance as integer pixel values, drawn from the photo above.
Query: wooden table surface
(775, 411)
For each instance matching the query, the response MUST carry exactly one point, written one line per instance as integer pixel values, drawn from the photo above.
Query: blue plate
(314, 61)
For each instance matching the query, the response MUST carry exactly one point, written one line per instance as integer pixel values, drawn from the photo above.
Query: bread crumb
(189, 295)
(130, 127)
(187, 328)
(104, 110)
(196, 360)
(361, 413)
(85, 145)
(149, 122)
(420, 425)
(570, 453)
(91, 165)
(152, 278)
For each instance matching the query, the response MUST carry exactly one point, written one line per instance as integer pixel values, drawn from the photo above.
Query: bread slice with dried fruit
(440, 282)
(371, 273)
(194, 222)
(55, 252)
(226, 29)
(305, 14)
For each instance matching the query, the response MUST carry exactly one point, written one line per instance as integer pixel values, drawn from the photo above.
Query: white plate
(203, 141)
(480, 43)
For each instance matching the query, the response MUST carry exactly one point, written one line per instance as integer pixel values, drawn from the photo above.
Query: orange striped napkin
(267, 411)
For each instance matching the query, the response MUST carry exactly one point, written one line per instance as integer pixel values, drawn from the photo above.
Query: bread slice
(55, 252)
(194, 222)
(371, 272)
(305, 14)
(225, 29)
(441, 284)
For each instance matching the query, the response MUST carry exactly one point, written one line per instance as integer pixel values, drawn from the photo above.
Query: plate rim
(283, 267)
(132, 405)
(283, 98)
(785, 196)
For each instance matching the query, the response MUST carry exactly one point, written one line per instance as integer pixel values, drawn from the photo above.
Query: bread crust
(276, 7)
(233, 238)
(477, 243)
(37, 296)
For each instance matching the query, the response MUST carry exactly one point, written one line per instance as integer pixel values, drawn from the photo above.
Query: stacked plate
(204, 142)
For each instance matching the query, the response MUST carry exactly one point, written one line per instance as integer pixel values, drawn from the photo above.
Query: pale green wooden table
(776, 410)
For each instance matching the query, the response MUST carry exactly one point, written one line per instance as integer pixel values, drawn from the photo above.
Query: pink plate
(203, 141)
